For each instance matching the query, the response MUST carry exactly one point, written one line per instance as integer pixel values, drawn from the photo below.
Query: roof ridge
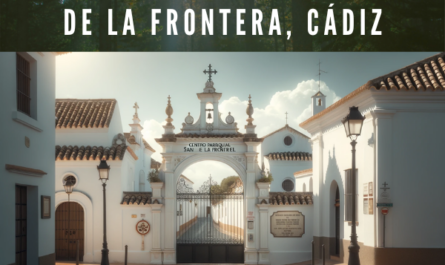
(285, 127)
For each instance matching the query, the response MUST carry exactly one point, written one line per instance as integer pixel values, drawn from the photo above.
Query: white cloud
(296, 102)
(153, 129)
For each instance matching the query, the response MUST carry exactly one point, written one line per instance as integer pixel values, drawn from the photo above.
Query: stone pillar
(156, 251)
(263, 222)
(383, 123)
(251, 251)
(169, 252)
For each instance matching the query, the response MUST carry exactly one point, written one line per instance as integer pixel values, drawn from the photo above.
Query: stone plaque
(287, 224)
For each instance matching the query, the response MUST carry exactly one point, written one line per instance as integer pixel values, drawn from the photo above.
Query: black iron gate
(209, 223)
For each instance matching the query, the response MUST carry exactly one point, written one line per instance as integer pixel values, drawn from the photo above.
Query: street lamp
(104, 170)
(353, 123)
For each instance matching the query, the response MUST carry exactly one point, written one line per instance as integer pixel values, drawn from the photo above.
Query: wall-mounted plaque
(365, 206)
(287, 224)
(365, 190)
(371, 206)
(45, 207)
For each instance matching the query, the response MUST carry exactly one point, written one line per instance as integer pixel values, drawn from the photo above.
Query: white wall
(293, 249)
(282, 170)
(39, 155)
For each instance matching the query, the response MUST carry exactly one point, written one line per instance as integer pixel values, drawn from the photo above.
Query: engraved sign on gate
(287, 224)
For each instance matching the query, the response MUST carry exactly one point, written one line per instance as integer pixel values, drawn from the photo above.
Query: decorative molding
(26, 120)
(25, 170)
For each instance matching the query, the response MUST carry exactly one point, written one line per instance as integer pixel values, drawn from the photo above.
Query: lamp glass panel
(355, 126)
(346, 124)
(103, 173)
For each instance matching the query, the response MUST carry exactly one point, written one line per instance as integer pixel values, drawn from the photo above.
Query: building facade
(27, 81)
(398, 161)
(88, 131)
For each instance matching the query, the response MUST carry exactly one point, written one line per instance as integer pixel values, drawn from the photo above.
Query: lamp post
(104, 170)
(353, 123)
(68, 185)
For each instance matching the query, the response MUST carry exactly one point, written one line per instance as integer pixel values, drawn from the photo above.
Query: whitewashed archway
(87, 206)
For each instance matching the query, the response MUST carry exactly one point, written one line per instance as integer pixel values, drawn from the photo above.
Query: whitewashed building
(88, 130)
(27, 85)
(399, 162)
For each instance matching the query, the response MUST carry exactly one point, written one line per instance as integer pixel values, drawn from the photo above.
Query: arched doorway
(335, 219)
(209, 215)
(69, 229)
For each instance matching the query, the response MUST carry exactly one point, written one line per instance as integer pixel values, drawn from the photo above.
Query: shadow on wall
(333, 181)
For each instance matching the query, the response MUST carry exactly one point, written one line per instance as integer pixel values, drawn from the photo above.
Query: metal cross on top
(136, 107)
(210, 72)
(384, 187)
(286, 117)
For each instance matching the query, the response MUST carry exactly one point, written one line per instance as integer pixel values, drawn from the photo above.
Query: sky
(277, 82)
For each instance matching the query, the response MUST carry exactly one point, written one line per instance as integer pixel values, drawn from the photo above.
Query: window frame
(23, 85)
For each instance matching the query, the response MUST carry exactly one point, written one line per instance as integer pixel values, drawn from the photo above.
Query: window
(348, 195)
(287, 140)
(23, 85)
(319, 102)
(310, 184)
(288, 185)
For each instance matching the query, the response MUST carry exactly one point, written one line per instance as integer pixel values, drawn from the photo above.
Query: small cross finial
(384, 186)
(286, 117)
(319, 74)
(136, 107)
(210, 72)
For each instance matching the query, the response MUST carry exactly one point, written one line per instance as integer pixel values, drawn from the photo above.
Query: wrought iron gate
(210, 224)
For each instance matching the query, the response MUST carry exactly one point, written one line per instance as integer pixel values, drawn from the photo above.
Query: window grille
(287, 140)
(23, 85)
(288, 185)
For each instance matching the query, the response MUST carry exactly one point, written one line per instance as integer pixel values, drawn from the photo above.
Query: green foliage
(153, 176)
(266, 178)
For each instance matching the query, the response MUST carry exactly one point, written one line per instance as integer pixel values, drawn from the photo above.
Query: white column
(383, 120)
(156, 252)
(251, 251)
(263, 222)
(169, 252)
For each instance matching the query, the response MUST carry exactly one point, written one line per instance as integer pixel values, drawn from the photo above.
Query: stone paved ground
(205, 231)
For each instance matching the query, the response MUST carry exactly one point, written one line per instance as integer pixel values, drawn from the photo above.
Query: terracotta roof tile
(90, 152)
(289, 156)
(129, 197)
(309, 170)
(130, 138)
(290, 198)
(425, 75)
(84, 113)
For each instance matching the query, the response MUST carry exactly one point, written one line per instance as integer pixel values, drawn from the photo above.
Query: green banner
(210, 25)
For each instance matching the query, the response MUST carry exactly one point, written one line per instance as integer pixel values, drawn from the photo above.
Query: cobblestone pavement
(204, 230)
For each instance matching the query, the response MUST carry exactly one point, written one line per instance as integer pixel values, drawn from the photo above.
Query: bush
(153, 176)
(266, 178)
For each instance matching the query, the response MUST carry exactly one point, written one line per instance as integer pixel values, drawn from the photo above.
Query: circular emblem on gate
(189, 119)
(143, 227)
(229, 119)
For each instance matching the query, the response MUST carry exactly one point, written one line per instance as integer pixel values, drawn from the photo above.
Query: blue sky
(278, 83)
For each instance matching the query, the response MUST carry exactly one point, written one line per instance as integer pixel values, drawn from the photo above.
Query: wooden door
(69, 229)
(20, 225)
(337, 222)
